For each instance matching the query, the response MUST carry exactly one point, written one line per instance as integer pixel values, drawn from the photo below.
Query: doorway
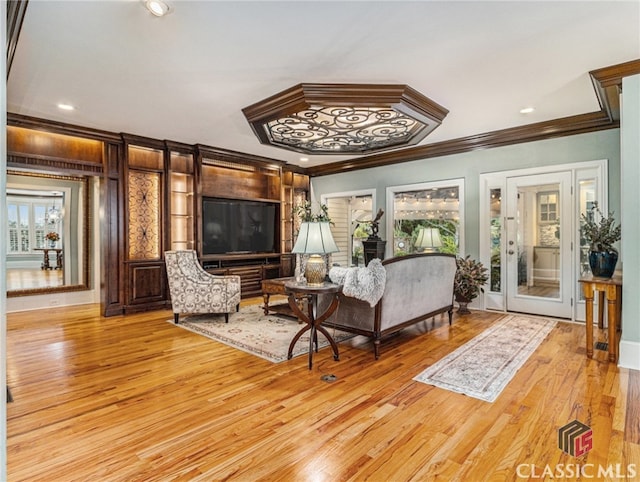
(530, 236)
(538, 251)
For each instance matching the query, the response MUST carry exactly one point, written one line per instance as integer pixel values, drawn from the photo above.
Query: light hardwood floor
(25, 278)
(134, 398)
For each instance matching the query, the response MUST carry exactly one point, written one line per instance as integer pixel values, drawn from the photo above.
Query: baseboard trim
(629, 355)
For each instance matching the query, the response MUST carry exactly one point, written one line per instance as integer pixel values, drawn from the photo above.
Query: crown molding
(607, 83)
(566, 126)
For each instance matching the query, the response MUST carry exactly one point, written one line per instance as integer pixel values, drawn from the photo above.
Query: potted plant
(470, 278)
(600, 235)
(52, 237)
(304, 213)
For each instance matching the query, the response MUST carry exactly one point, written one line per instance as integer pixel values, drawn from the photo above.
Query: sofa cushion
(366, 284)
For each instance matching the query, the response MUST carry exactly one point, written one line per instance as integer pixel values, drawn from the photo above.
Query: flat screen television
(231, 226)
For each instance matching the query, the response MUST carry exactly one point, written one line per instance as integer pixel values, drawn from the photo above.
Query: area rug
(250, 330)
(482, 367)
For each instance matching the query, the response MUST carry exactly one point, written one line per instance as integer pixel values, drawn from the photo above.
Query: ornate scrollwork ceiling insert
(344, 118)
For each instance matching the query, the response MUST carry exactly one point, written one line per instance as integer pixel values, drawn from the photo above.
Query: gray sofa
(417, 287)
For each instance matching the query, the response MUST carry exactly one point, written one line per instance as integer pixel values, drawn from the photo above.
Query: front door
(538, 244)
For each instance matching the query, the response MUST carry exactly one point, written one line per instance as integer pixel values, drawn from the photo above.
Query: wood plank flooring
(26, 278)
(133, 398)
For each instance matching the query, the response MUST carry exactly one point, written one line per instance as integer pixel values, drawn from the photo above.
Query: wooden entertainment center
(151, 201)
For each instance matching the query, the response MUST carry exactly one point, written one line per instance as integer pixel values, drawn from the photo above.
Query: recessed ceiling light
(157, 7)
(63, 106)
(527, 110)
(304, 159)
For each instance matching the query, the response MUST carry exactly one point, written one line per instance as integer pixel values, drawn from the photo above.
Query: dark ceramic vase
(603, 263)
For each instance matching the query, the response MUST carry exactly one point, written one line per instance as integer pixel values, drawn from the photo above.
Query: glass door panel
(537, 252)
(495, 240)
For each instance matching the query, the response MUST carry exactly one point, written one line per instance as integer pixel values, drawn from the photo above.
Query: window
(429, 205)
(495, 238)
(29, 220)
(349, 213)
(548, 207)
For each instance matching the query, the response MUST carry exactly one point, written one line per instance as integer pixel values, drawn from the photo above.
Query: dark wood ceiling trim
(141, 141)
(566, 126)
(15, 16)
(608, 85)
(606, 81)
(17, 120)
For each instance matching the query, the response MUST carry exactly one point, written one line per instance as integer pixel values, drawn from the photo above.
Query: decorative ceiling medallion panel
(344, 118)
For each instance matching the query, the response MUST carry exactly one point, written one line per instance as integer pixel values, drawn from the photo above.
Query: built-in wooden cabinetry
(295, 188)
(182, 198)
(144, 184)
(151, 202)
(223, 176)
(252, 269)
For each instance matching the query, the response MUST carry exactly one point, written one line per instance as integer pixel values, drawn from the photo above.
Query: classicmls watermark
(576, 439)
(585, 471)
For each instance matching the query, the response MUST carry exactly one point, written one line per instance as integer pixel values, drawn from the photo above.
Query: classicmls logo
(575, 438)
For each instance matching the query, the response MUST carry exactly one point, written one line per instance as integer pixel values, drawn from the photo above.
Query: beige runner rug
(483, 366)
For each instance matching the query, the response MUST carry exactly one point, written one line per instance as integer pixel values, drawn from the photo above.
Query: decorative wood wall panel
(144, 215)
(143, 158)
(239, 183)
(147, 284)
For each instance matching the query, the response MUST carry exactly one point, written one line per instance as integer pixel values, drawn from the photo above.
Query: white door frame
(522, 220)
(597, 169)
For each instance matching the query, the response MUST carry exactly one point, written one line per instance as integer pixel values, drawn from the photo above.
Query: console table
(312, 319)
(611, 288)
(46, 262)
(275, 286)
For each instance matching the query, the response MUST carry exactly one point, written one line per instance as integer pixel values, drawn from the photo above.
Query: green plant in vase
(469, 280)
(600, 232)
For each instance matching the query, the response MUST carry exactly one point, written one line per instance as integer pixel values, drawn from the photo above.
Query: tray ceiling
(187, 76)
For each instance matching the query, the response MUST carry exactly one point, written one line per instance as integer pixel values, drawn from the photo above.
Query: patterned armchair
(193, 290)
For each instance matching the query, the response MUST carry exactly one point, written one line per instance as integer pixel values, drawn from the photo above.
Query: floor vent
(602, 345)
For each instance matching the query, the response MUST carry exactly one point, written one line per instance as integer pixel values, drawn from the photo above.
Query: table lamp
(428, 239)
(315, 239)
